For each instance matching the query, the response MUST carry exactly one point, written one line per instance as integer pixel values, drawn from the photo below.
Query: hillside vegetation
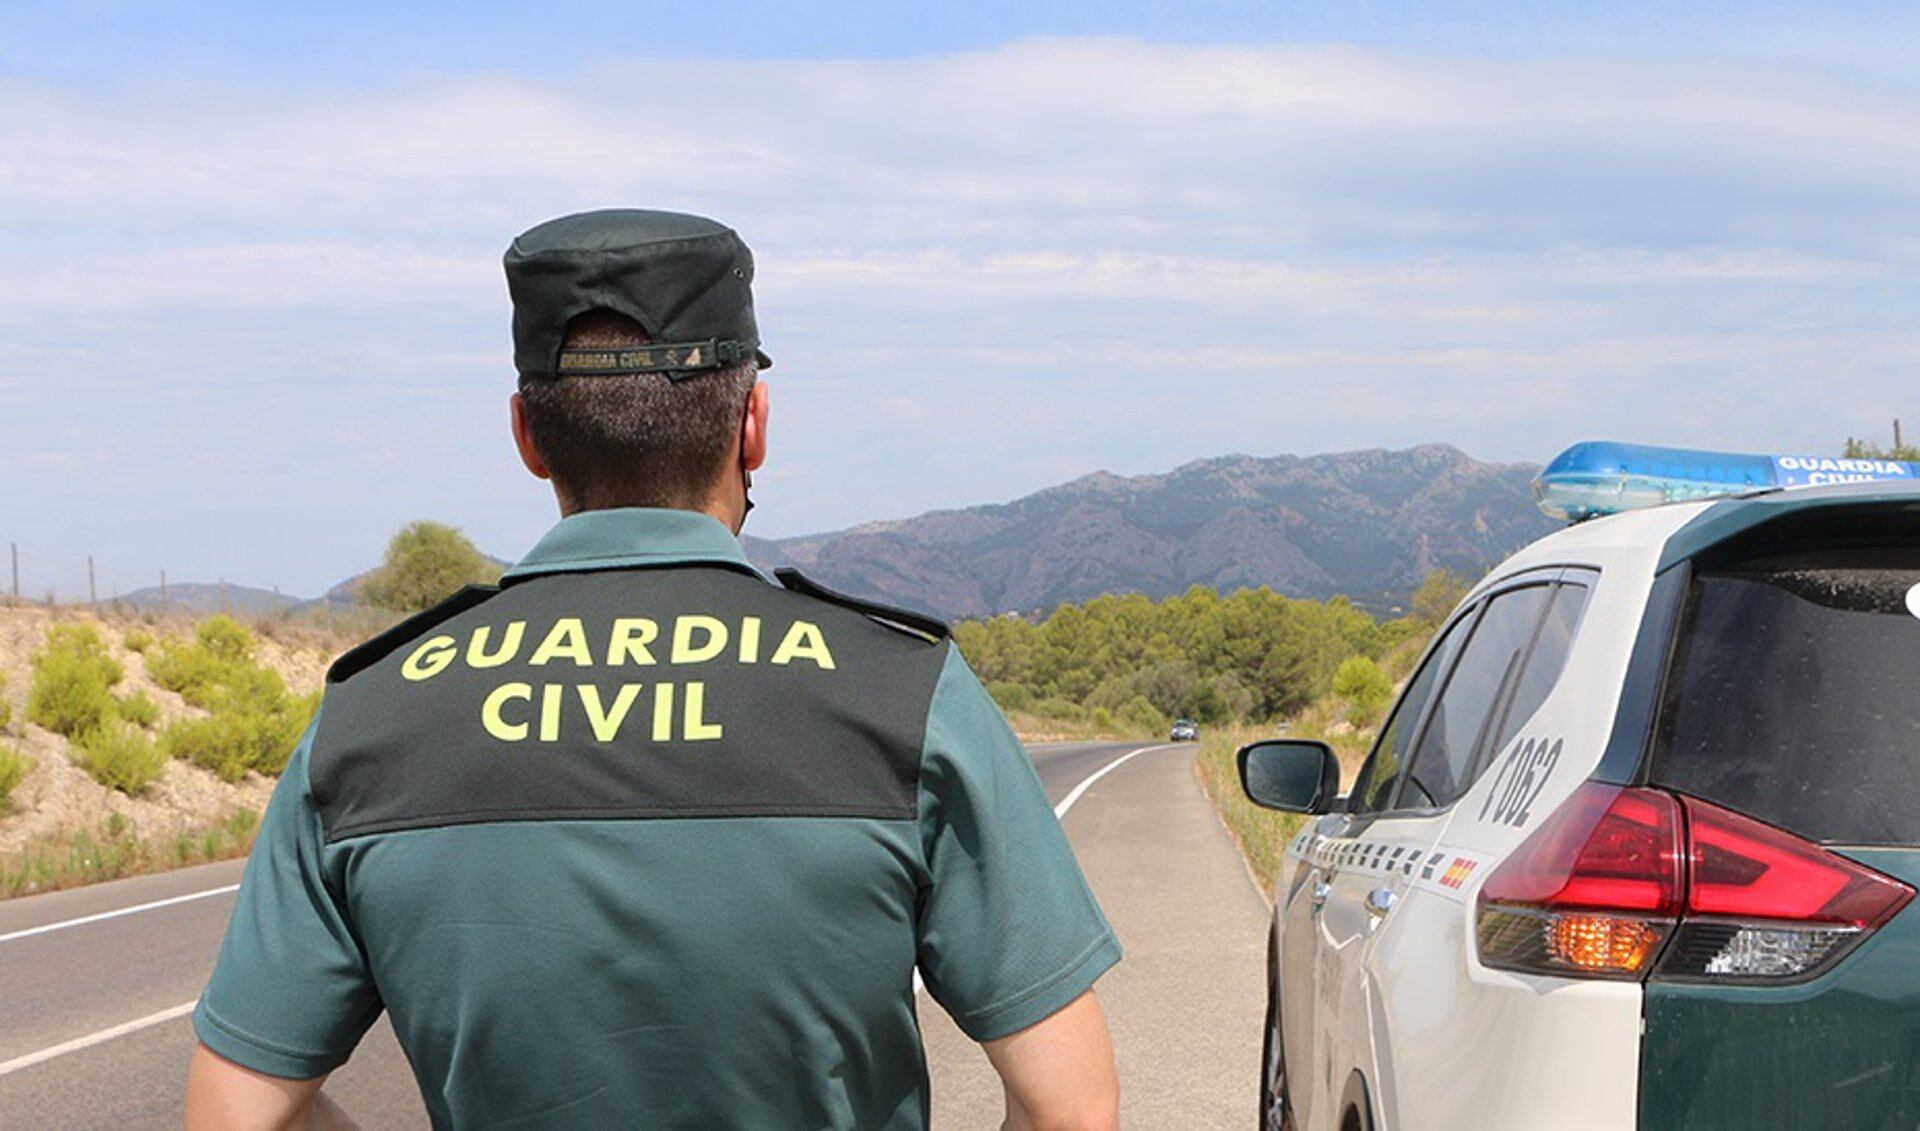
(135, 742)
(1248, 657)
(1249, 665)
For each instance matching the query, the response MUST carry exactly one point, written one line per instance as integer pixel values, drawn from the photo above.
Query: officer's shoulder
(905, 621)
(363, 656)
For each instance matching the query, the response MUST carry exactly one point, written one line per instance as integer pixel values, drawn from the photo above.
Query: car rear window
(1794, 695)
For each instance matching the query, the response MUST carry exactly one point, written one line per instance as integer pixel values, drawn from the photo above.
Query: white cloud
(278, 311)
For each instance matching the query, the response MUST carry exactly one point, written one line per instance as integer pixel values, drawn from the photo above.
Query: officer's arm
(1011, 938)
(1059, 1073)
(223, 1096)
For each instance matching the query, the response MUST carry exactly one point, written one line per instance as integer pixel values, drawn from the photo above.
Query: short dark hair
(639, 439)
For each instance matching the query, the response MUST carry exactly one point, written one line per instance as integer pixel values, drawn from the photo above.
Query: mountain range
(207, 598)
(1366, 524)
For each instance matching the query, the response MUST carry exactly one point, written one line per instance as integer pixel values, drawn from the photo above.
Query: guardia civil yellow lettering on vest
(518, 710)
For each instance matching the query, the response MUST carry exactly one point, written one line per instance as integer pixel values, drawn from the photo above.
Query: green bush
(138, 709)
(242, 734)
(14, 768)
(73, 677)
(426, 563)
(1364, 687)
(137, 640)
(197, 670)
(1060, 710)
(118, 755)
(1010, 696)
(6, 704)
(227, 639)
(1139, 715)
(252, 722)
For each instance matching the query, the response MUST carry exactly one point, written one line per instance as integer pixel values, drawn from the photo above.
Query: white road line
(92, 1039)
(1066, 802)
(85, 919)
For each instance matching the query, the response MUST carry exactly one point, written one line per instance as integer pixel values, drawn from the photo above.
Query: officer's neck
(731, 515)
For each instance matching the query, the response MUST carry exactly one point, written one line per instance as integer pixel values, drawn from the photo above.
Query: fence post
(15, 547)
(163, 590)
(93, 591)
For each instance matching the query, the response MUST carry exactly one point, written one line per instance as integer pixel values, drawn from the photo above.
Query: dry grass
(114, 850)
(1262, 833)
(1038, 728)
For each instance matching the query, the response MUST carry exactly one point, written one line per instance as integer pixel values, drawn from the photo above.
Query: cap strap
(676, 357)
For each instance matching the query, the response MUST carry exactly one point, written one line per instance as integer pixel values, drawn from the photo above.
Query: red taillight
(1615, 873)
(1740, 868)
(1594, 892)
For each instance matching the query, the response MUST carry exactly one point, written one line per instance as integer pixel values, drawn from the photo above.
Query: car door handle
(1380, 901)
(1318, 893)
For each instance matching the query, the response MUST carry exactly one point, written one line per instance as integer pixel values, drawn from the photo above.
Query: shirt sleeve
(291, 994)
(1009, 932)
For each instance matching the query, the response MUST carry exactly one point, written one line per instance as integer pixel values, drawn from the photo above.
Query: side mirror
(1293, 775)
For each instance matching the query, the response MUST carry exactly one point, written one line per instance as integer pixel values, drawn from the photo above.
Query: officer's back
(638, 837)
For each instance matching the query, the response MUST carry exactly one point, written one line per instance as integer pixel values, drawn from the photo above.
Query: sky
(252, 318)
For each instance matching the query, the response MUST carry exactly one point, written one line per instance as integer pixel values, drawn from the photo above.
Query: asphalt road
(95, 983)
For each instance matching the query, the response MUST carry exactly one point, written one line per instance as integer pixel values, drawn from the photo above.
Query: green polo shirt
(643, 840)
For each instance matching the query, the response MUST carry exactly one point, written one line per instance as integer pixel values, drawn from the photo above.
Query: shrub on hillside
(6, 704)
(252, 722)
(199, 668)
(73, 677)
(137, 640)
(1436, 598)
(426, 563)
(14, 768)
(227, 639)
(138, 709)
(1010, 696)
(1139, 715)
(242, 734)
(118, 755)
(1060, 710)
(1363, 687)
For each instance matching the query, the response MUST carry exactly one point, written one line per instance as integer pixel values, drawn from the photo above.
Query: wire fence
(56, 581)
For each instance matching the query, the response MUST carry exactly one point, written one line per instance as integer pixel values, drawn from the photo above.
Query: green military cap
(686, 280)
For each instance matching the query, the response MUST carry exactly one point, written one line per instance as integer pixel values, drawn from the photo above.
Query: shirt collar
(630, 536)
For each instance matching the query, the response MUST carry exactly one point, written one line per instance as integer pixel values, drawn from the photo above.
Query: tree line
(1252, 655)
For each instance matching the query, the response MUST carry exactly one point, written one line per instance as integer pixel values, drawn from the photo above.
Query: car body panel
(1842, 1050)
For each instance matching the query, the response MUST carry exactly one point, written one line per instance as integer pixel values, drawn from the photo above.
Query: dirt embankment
(58, 799)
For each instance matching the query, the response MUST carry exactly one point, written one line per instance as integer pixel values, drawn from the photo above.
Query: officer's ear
(753, 429)
(523, 439)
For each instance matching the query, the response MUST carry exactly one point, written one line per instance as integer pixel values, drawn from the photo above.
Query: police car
(1639, 840)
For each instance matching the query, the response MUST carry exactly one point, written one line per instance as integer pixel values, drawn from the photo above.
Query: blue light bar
(1600, 477)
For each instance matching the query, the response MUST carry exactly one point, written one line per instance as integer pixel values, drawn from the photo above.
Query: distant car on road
(1185, 730)
(1638, 843)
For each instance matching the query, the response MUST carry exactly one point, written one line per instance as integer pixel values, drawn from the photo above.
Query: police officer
(637, 838)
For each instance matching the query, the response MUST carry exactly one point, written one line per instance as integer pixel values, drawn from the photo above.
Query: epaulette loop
(906, 620)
